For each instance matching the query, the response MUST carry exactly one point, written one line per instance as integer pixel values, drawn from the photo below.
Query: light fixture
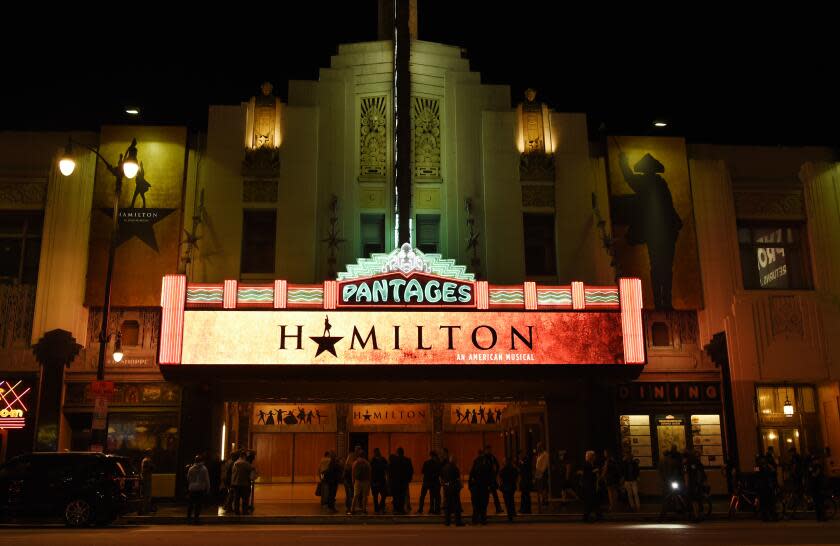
(224, 431)
(67, 164)
(788, 407)
(129, 163)
(118, 354)
(771, 436)
(132, 111)
(660, 123)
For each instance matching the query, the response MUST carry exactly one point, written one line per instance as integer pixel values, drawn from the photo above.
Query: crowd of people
(603, 482)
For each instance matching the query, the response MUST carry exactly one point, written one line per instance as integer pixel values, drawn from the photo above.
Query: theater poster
(149, 216)
(653, 219)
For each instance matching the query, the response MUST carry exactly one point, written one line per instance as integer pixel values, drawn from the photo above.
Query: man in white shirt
(541, 475)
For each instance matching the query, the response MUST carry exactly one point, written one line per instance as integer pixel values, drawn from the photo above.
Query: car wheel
(78, 513)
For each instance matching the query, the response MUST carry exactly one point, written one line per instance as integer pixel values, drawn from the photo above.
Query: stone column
(54, 352)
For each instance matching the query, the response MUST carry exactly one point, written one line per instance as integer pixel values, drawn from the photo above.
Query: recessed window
(539, 244)
(20, 246)
(372, 231)
(130, 331)
(428, 233)
(259, 235)
(773, 256)
(660, 334)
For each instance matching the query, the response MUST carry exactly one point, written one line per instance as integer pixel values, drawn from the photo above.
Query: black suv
(82, 488)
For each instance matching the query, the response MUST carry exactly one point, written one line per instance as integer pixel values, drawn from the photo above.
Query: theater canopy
(402, 308)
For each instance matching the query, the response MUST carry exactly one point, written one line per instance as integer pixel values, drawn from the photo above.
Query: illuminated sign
(291, 417)
(12, 408)
(400, 290)
(394, 337)
(476, 414)
(403, 308)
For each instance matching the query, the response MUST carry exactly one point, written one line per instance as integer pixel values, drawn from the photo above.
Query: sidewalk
(298, 505)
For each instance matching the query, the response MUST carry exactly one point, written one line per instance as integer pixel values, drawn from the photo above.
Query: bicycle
(796, 502)
(681, 504)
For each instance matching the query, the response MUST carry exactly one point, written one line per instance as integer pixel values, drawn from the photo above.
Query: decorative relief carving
(144, 356)
(23, 193)
(425, 131)
(684, 323)
(261, 162)
(17, 309)
(786, 316)
(769, 204)
(259, 191)
(373, 138)
(537, 196)
(536, 167)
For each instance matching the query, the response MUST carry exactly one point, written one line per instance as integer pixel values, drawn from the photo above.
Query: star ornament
(326, 343)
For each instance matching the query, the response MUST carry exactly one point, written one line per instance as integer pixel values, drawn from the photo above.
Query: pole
(100, 417)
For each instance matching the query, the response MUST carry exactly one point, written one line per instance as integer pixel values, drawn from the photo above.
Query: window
(773, 256)
(660, 335)
(20, 246)
(130, 331)
(372, 233)
(539, 244)
(428, 233)
(259, 234)
(771, 399)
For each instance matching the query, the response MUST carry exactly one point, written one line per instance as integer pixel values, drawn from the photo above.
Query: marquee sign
(402, 308)
(12, 408)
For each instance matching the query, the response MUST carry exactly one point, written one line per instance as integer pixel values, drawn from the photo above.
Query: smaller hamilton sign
(139, 222)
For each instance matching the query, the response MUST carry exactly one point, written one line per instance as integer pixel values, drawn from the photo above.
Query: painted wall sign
(13, 409)
(290, 417)
(433, 337)
(397, 415)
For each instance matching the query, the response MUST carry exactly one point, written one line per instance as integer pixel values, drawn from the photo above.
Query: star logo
(139, 223)
(367, 415)
(326, 344)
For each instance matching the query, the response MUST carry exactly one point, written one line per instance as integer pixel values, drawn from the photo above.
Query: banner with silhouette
(475, 416)
(292, 417)
(149, 215)
(653, 219)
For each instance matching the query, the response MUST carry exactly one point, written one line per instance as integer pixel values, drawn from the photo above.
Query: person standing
(431, 484)
(226, 480)
(611, 477)
(541, 475)
(588, 486)
(630, 472)
(816, 486)
(481, 481)
(401, 472)
(198, 485)
(378, 481)
(494, 463)
(348, 478)
(508, 476)
(450, 479)
(361, 483)
(147, 467)
(323, 474)
(241, 483)
(526, 481)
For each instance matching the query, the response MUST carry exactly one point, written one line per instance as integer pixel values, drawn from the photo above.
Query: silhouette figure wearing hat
(655, 222)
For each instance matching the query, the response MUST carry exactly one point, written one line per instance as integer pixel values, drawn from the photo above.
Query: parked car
(82, 488)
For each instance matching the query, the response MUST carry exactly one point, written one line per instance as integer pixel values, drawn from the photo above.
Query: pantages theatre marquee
(401, 328)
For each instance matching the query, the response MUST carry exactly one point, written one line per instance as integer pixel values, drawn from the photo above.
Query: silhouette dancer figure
(327, 326)
(141, 186)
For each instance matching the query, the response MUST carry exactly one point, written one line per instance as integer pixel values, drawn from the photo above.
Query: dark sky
(715, 75)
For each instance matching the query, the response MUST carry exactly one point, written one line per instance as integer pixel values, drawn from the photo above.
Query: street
(750, 533)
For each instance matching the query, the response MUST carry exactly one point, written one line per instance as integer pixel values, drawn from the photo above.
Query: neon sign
(401, 308)
(12, 409)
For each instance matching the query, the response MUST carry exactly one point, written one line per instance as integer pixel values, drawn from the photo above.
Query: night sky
(715, 76)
